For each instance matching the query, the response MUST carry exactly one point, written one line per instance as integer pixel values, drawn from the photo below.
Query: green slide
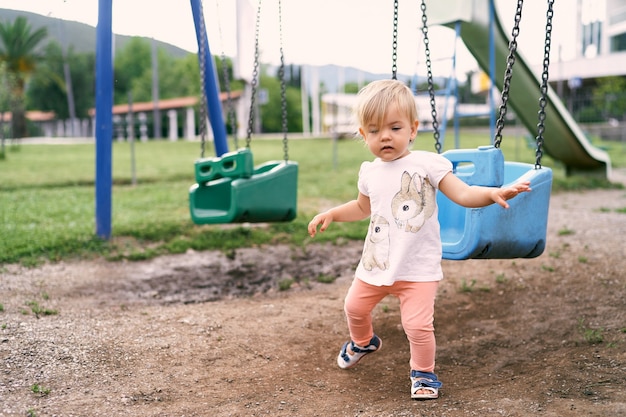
(564, 140)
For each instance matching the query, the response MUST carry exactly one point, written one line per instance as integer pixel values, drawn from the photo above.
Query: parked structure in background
(601, 44)
(337, 118)
(179, 120)
(600, 53)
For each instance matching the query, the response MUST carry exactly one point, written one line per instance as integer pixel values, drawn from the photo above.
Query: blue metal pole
(457, 135)
(211, 85)
(104, 118)
(492, 70)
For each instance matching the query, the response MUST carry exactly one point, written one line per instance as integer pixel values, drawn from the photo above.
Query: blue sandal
(348, 359)
(424, 381)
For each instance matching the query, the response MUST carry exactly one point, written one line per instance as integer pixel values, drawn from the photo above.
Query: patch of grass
(47, 205)
(467, 287)
(471, 286)
(621, 210)
(326, 279)
(285, 284)
(565, 231)
(582, 259)
(1, 307)
(40, 389)
(501, 278)
(37, 310)
(583, 182)
(591, 335)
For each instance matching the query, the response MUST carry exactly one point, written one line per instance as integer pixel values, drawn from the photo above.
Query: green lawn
(47, 196)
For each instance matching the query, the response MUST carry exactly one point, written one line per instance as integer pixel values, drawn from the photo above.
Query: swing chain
(255, 77)
(283, 87)
(431, 87)
(229, 101)
(394, 53)
(230, 107)
(508, 74)
(231, 119)
(203, 98)
(544, 86)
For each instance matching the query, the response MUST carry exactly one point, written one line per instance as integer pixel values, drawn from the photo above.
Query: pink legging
(417, 306)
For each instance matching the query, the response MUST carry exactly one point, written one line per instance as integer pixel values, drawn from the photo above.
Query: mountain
(332, 76)
(80, 36)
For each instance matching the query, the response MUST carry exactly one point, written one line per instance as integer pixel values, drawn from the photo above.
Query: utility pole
(68, 82)
(156, 111)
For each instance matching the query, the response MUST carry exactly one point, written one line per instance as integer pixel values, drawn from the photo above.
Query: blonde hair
(374, 100)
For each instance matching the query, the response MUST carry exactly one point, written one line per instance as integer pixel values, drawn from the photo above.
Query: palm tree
(6, 86)
(18, 44)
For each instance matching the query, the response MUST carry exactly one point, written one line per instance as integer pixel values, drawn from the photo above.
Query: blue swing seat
(230, 189)
(493, 232)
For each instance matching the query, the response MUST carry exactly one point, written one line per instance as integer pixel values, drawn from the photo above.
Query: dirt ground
(204, 334)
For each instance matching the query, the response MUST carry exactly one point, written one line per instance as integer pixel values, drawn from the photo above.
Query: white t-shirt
(403, 241)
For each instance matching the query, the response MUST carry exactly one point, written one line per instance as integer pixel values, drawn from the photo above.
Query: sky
(356, 33)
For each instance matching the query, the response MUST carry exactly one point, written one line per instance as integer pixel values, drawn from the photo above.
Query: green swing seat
(230, 189)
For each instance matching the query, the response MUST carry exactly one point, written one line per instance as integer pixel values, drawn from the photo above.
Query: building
(180, 117)
(601, 43)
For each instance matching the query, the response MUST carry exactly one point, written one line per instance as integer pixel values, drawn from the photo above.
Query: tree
(177, 78)
(610, 98)
(6, 87)
(351, 88)
(271, 112)
(131, 64)
(18, 46)
(47, 89)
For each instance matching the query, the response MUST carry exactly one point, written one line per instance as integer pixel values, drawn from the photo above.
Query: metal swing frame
(229, 188)
(492, 232)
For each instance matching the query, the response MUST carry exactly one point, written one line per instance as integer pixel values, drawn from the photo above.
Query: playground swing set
(231, 189)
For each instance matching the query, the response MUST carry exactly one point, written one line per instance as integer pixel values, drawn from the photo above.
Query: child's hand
(325, 219)
(500, 195)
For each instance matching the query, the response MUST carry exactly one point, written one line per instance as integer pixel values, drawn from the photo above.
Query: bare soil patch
(205, 334)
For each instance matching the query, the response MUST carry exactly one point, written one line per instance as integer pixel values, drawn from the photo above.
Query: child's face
(392, 140)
